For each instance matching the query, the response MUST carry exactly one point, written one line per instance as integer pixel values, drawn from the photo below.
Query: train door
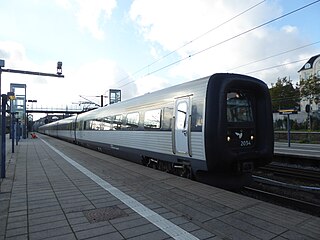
(182, 126)
(75, 128)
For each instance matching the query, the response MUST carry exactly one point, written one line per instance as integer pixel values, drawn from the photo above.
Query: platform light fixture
(2, 120)
(11, 95)
(59, 68)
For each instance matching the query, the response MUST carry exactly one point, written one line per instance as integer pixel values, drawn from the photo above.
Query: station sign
(287, 111)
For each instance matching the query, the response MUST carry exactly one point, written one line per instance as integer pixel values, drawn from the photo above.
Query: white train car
(63, 129)
(218, 123)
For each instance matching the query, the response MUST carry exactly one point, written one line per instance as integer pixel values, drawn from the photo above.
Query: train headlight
(251, 137)
(228, 138)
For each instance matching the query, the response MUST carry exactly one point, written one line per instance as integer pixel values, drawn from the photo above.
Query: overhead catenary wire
(276, 66)
(229, 39)
(207, 32)
(275, 55)
(194, 39)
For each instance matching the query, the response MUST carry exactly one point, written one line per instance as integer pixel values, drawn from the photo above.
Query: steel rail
(301, 205)
(297, 173)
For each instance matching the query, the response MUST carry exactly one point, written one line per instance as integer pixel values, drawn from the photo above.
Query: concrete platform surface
(57, 190)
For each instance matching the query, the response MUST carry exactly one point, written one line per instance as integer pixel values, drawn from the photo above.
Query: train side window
(152, 119)
(239, 107)
(80, 125)
(197, 118)
(64, 126)
(117, 122)
(167, 118)
(132, 120)
(182, 116)
(87, 125)
(95, 125)
(107, 123)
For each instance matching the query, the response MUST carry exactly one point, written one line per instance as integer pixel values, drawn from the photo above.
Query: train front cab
(238, 124)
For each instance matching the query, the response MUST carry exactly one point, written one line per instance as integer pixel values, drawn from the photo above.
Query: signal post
(288, 112)
(4, 100)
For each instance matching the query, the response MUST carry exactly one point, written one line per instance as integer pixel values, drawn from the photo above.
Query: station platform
(57, 190)
(297, 150)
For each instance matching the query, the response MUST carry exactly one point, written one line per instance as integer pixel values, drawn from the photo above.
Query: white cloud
(89, 79)
(172, 24)
(66, 4)
(151, 83)
(91, 15)
(15, 57)
(290, 29)
(96, 78)
(12, 52)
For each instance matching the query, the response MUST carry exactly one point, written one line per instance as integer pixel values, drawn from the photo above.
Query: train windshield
(239, 107)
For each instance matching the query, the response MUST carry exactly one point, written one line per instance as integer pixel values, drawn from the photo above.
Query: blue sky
(103, 43)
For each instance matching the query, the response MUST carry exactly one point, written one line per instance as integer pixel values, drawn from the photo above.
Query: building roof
(310, 61)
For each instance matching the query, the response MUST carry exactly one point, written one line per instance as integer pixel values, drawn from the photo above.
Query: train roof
(151, 100)
(62, 121)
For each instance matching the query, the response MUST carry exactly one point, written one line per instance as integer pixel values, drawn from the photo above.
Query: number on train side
(245, 143)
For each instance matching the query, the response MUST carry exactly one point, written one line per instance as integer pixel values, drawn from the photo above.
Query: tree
(310, 89)
(284, 95)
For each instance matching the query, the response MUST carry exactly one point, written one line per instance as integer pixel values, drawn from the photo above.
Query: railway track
(304, 206)
(293, 172)
(288, 186)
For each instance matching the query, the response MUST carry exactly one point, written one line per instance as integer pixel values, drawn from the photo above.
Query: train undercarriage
(182, 169)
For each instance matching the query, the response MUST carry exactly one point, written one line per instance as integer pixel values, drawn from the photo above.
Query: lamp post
(2, 122)
(29, 121)
(11, 97)
(1, 66)
(5, 97)
(32, 101)
(3, 134)
(13, 130)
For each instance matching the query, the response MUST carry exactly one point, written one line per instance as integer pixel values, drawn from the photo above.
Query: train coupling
(247, 167)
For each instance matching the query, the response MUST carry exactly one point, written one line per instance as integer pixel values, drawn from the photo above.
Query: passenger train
(220, 123)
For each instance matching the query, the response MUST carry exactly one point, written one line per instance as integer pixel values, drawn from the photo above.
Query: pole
(3, 160)
(33, 73)
(12, 132)
(17, 131)
(25, 124)
(288, 127)
(3, 135)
